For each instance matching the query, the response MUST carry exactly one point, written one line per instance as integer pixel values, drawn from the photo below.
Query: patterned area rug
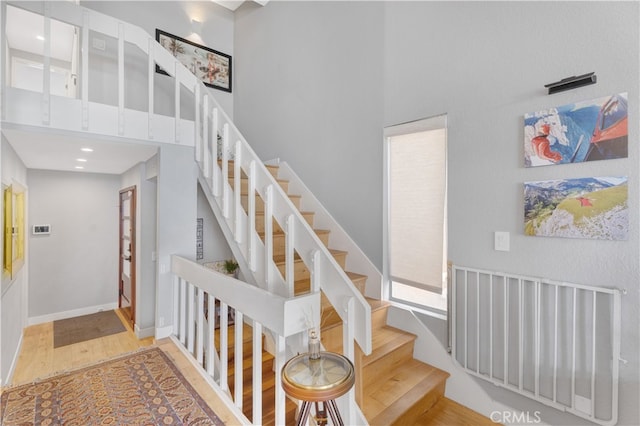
(143, 388)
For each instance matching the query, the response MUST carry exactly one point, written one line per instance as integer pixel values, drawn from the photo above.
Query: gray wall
(13, 294)
(309, 90)
(312, 79)
(76, 266)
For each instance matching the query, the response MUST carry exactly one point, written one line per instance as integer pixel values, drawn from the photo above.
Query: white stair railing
(203, 299)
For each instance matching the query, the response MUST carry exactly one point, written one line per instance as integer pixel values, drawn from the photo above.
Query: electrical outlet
(501, 241)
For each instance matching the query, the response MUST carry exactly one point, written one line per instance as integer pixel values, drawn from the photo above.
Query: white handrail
(282, 317)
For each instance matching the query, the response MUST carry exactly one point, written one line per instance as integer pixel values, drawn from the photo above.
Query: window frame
(438, 305)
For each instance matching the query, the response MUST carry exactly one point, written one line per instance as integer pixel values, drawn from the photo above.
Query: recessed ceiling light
(79, 167)
(40, 38)
(82, 160)
(86, 149)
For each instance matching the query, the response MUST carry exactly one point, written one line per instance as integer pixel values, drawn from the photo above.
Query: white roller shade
(417, 197)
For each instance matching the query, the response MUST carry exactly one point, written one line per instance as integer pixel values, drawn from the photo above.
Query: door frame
(132, 241)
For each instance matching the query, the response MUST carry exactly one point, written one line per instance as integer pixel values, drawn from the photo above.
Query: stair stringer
(240, 249)
(357, 261)
(461, 387)
(294, 344)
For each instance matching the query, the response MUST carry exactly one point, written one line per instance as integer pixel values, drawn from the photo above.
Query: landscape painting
(574, 133)
(593, 208)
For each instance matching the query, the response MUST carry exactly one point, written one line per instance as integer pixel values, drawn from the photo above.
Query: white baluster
(237, 191)
(211, 322)
(151, 68)
(206, 168)
(200, 327)
(289, 260)
(252, 216)
(120, 78)
(225, 170)
(224, 346)
(85, 70)
(196, 125)
(257, 373)
(238, 359)
(183, 312)
(190, 318)
(280, 396)
(316, 257)
(46, 69)
(214, 154)
(268, 236)
(176, 304)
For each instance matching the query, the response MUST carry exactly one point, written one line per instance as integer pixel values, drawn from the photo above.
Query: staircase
(297, 261)
(391, 386)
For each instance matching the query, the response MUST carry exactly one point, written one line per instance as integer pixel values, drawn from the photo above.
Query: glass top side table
(320, 381)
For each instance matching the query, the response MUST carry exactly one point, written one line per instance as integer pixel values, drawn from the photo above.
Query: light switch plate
(501, 241)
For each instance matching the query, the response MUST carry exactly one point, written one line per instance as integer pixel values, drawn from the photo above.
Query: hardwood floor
(39, 359)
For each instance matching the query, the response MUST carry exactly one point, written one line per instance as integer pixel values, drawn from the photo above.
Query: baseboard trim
(142, 333)
(72, 313)
(14, 362)
(162, 332)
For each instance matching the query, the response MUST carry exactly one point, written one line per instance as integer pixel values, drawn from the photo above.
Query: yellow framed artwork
(14, 229)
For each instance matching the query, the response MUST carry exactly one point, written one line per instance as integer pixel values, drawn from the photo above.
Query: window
(415, 213)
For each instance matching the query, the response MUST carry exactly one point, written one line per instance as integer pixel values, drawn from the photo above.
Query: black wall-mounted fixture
(572, 82)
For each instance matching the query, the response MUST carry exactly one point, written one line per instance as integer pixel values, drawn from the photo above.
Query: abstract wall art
(574, 133)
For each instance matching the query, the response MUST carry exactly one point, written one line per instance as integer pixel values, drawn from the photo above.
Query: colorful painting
(213, 68)
(584, 131)
(594, 208)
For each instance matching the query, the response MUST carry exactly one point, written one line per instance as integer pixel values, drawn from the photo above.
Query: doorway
(127, 257)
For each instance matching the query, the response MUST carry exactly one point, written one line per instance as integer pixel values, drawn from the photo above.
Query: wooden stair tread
(415, 387)
(447, 412)
(280, 259)
(385, 340)
(280, 232)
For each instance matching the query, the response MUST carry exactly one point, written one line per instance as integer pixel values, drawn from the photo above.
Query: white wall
(175, 18)
(313, 75)
(14, 291)
(145, 247)
(76, 266)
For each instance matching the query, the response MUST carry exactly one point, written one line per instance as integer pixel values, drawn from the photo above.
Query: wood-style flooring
(39, 359)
